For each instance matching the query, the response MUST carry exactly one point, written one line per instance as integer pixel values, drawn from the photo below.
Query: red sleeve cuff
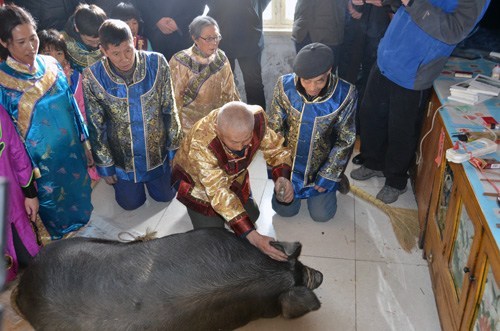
(283, 170)
(242, 225)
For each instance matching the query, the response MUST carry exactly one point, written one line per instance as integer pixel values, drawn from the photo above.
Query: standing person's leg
(252, 76)
(374, 115)
(323, 207)
(232, 63)
(160, 189)
(299, 45)
(129, 195)
(406, 108)
(368, 60)
(350, 58)
(352, 50)
(336, 50)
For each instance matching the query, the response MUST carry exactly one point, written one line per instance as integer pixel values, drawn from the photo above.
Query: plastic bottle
(495, 73)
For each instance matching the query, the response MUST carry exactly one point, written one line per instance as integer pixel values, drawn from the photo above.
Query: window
(279, 14)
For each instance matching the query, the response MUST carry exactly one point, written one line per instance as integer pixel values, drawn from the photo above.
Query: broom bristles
(404, 221)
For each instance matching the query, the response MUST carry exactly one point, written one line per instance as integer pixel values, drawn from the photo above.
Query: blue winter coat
(421, 37)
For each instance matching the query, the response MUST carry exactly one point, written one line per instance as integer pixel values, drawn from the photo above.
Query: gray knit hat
(313, 60)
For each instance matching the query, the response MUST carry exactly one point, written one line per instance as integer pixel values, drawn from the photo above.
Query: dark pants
(359, 51)
(23, 256)
(390, 120)
(130, 195)
(202, 221)
(252, 76)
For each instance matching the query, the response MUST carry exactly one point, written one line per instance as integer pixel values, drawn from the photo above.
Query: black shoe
(358, 159)
(344, 185)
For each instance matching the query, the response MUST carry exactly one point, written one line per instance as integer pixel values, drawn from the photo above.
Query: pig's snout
(312, 278)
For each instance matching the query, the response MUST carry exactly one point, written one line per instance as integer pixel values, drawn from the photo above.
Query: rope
(149, 235)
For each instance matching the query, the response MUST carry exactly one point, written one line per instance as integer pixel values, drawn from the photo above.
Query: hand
(262, 243)
(283, 190)
(377, 3)
(31, 205)
(354, 14)
(110, 180)
(173, 25)
(166, 26)
(88, 155)
(319, 189)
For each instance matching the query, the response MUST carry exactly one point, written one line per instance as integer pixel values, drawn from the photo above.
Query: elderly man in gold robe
(202, 76)
(211, 170)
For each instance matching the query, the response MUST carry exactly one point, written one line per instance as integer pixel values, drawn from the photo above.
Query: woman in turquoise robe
(36, 94)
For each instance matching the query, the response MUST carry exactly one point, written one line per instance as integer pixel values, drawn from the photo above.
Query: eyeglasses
(212, 39)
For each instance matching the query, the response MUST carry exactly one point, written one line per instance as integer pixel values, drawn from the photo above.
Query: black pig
(205, 279)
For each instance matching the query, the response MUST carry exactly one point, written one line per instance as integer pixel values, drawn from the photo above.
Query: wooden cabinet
(462, 254)
(482, 311)
(429, 161)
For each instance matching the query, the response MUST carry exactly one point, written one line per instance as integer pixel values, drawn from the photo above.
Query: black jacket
(183, 12)
(49, 14)
(240, 23)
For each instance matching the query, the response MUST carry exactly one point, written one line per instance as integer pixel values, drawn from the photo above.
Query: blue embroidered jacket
(134, 129)
(320, 133)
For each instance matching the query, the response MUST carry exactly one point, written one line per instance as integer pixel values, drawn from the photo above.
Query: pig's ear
(292, 250)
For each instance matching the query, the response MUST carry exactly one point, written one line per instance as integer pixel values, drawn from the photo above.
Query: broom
(404, 221)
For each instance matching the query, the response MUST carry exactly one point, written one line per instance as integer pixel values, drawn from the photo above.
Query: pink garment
(78, 93)
(93, 173)
(15, 166)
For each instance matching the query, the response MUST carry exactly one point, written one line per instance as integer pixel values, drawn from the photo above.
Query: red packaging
(489, 121)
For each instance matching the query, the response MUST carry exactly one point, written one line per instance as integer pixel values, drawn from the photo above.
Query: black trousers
(390, 119)
(252, 76)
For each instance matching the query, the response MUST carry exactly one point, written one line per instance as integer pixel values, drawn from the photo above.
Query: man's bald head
(235, 123)
(236, 117)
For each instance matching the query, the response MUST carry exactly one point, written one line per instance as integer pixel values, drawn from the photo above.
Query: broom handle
(366, 196)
